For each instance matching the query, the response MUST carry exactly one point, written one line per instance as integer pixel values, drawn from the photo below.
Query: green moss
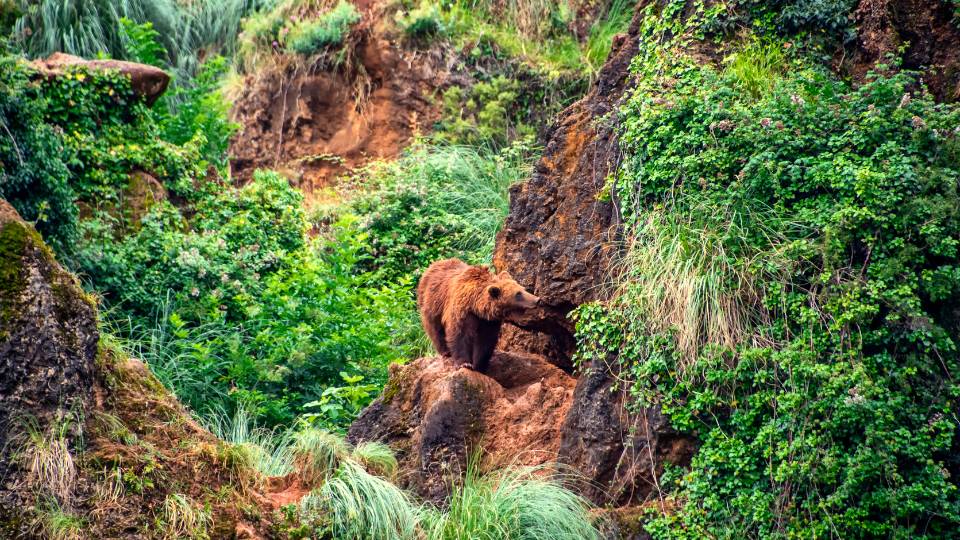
(13, 241)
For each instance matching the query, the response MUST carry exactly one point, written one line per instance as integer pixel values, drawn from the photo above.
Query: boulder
(435, 414)
(48, 336)
(147, 81)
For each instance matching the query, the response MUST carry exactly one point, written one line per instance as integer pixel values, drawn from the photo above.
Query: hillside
(740, 219)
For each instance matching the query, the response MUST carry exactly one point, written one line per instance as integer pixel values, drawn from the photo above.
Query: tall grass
(525, 503)
(694, 274)
(181, 357)
(362, 506)
(756, 66)
(44, 453)
(615, 20)
(189, 31)
(270, 450)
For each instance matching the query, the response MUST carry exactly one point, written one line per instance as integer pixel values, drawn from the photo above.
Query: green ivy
(787, 297)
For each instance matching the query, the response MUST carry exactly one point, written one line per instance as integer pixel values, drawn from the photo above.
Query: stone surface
(559, 236)
(621, 452)
(48, 336)
(435, 414)
(925, 30)
(147, 81)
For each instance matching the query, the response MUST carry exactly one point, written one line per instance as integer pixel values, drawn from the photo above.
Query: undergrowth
(784, 295)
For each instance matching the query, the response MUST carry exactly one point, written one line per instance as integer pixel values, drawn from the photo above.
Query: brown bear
(463, 306)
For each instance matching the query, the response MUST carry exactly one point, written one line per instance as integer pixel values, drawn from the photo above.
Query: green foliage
(141, 43)
(436, 202)
(487, 113)
(828, 19)
(786, 298)
(755, 67)
(421, 23)
(329, 29)
(34, 176)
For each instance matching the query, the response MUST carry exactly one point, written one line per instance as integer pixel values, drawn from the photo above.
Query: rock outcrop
(48, 327)
(48, 340)
(435, 415)
(927, 33)
(315, 124)
(147, 81)
(558, 241)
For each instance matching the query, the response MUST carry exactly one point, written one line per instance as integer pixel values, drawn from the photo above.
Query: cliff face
(558, 240)
(48, 339)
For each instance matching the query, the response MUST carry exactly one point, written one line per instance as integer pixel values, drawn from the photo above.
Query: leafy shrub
(787, 300)
(314, 36)
(487, 113)
(421, 23)
(435, 202)
(829, 18)
(34, 176)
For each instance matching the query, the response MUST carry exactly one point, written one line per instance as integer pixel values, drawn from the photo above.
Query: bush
(786, 300)
(435, 202)
(330, 29)
(34, 176)
(421, 23)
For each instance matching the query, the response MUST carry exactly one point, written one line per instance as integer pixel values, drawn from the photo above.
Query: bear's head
(510, 295)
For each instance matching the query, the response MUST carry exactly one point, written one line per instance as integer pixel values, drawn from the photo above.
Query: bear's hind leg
(434, 329)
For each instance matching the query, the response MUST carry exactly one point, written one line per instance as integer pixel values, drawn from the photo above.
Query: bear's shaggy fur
(463, 306)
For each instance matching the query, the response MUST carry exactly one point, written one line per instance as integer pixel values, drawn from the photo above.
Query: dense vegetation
(786, 291)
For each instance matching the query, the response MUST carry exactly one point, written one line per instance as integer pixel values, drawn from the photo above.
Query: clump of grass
(330, 29)
(681, 273)
(45, 456)
(376, 457)
(526, 503)
(421, 23)
(615, 21)
(267, 451)
(756, 67)
(317, 454)
(360, 505)
(55, 523)
(182, 518)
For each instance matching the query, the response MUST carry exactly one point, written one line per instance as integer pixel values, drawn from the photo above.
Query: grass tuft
(360, 505)
(55, 523)
(46, 458)
(317, 454)
(376, 457)
(182, 518)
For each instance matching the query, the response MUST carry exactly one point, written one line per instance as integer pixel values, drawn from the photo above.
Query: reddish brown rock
(147, 81)
(559, 236)
(435, 414)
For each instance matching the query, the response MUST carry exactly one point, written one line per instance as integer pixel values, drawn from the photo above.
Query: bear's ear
(493, 291)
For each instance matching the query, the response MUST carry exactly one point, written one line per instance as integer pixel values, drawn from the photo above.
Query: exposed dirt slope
(315, 123)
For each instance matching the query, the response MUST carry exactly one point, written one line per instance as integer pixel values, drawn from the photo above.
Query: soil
(927, 30)
(315, 123)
